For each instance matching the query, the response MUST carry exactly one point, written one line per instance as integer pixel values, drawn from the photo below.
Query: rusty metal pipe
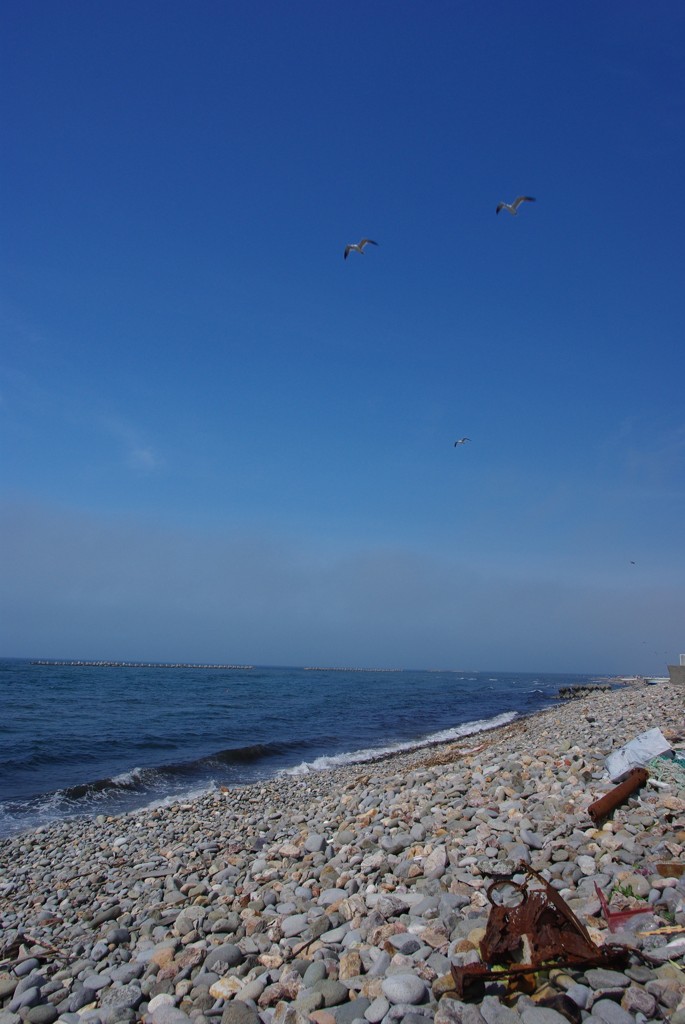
(601, 808)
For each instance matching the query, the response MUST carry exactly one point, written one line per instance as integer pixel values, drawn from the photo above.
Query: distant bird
(462, 440)
(632, 563)
(513, 207)
(358, 246)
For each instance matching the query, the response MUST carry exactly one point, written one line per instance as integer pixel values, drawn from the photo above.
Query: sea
(84, 738)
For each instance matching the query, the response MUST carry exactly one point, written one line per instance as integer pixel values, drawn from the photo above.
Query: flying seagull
(513, 207)
(358, 247)
(462, 440)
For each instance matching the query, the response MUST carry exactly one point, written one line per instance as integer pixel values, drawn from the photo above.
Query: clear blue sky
(222, 441)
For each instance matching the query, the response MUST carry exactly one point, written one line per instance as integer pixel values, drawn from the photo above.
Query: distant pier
(136, 664)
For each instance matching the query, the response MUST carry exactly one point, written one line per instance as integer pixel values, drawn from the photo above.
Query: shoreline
(161, 763)
(377, 870)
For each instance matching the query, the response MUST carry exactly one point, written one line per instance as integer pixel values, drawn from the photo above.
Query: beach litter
(615, 919)
(668, 771)
(602, 808)
(530, 930)
(637, 752)
(671, 869)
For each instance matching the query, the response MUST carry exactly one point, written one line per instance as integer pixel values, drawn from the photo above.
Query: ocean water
(86, 740)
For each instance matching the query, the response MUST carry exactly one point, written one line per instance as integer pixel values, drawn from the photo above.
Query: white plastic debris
(636, 752)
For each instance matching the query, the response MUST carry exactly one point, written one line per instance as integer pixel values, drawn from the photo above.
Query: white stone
(587, 865)
(404, 988)
(160, 1000)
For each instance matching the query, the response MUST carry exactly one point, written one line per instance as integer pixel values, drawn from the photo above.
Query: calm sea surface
(81, 740)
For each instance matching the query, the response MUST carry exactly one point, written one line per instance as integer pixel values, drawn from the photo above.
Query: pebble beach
(347, 895)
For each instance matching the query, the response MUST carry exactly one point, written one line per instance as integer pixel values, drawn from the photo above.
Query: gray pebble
(127, 972)
(7, 987)
(79, 998)
(346, 1013)
(228, 953)
(401, 1011)
(404, 988)
(26, 966)
(110, 914)
(308, 1001)
(30, 997)
(333, 992)
(377, 1010)
(542, 1015)
(167, 1013)
(405, 943)
(295, 924)
(411, 1018)
(95, 982)
(314, 843)
(611, 1013)
(33, 980)
(315, 972)
(580, 994)
(600, 978)
(239, 1013)
(129, 996)
(495, 1012)
(330, 896)
(453, 1011)
(46, 1013)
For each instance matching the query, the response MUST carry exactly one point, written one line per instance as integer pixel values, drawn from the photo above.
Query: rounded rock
(611, 1013)
(45, 1013)
(404, 988)
(99, 951)
(542, 1015)
(167, 1014)
(333, 992)
(26, 966)
(163, 999)
(239, 1013)
(29, 997)
(377, 1010)
(228, 954)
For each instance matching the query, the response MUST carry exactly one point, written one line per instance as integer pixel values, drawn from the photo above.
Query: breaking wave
(378, 753)
(142, 787)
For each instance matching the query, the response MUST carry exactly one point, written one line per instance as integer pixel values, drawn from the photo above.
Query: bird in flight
(513, 207)
(358, 246)
(462, 440)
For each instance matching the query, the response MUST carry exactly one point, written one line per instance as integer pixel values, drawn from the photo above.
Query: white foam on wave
(128, 778)
(374, 753)
(33, 812)
(186, 796)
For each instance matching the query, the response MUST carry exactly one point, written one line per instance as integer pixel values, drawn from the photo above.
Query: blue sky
(222, 441)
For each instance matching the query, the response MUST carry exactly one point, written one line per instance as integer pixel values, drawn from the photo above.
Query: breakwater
(321, 668)
(571, 692)
(138, 664)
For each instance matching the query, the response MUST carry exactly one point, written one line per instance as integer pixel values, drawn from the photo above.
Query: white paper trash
(637, 751)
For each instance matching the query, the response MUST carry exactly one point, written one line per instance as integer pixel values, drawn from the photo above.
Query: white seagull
(513, 207)
(462, 440)
(358, 247)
